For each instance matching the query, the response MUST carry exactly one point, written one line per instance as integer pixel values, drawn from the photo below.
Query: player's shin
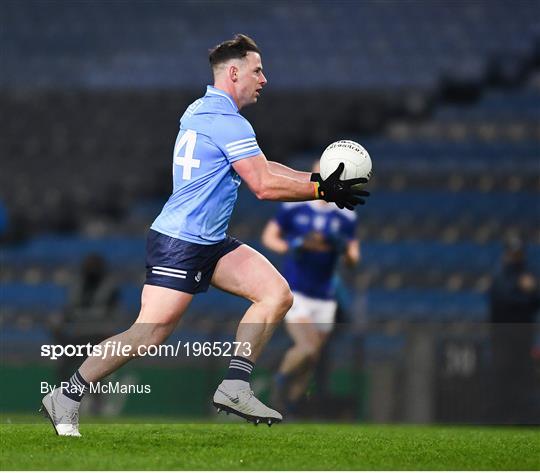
(234, 394)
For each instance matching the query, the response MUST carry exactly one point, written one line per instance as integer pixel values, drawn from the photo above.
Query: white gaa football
(352, 154)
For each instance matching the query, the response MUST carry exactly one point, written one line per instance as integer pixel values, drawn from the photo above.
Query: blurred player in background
(313, 235)
(188, 248)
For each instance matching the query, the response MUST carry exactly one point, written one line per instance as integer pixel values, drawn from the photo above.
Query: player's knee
(278, 298)
(288, 299)
(283, 299)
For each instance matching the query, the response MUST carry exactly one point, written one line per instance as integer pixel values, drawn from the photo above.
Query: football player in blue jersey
(313, 236)
(188, 248)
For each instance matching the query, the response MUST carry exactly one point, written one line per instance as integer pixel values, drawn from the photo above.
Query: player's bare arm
(257, 173)
(281, 169)
(267, 185)
(272, 238)
(352, 253)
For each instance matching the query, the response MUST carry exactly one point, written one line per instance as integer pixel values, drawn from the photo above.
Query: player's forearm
(266, 184)
(283, 188)
(272, 238)
(352, 254)
(282, 170)
(278, 245)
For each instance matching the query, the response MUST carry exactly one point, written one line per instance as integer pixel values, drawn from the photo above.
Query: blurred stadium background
(445, 95)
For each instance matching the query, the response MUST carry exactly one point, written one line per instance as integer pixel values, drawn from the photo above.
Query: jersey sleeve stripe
(236, 150)
(243, 150)
(243, 145)
(233, 143)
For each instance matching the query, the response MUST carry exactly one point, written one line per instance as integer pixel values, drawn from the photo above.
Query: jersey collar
(211, 90)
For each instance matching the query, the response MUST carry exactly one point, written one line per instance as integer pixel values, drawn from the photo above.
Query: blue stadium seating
(36, 297)
(54, 250)
(455, 157)
(424, 305)
(447, 205)
(374, 44)
(24, 339)
(220, 307)
(498, 106)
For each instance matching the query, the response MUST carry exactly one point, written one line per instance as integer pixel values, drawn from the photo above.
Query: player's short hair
(236, 48)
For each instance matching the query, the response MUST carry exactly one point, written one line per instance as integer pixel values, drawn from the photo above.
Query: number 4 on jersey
(188, 139)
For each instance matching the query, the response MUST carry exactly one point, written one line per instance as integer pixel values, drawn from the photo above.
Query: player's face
(251, 79)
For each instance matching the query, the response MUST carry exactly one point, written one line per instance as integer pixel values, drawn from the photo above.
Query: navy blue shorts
(181, 265)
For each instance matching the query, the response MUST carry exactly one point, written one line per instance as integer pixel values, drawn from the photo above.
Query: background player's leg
(305, 349)
(247, 273)
(309, 341)
(292, 379)
(161, 309)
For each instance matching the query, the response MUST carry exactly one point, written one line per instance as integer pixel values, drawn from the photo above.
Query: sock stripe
(78, 382)
(239, 359)
(75, 381)
(240, 364)
(81, 379)
(240, 368)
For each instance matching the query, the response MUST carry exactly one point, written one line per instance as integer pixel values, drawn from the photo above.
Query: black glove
(333, 189)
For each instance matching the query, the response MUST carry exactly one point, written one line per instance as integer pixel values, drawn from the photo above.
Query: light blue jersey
(212, 136)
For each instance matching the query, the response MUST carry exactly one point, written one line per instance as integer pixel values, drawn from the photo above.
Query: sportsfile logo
(110, 349)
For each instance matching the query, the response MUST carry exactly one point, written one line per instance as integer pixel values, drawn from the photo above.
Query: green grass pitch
(235, 446)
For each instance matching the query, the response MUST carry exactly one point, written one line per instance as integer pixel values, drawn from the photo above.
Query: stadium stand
(372, 44)
(90, 115)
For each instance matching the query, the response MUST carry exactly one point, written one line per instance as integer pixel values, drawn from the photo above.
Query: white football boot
(63, 413)
(237, 398)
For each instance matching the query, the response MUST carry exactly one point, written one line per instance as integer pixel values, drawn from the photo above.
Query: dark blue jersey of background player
(316, 235)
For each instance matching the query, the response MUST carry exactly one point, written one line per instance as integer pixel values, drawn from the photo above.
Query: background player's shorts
(181, 265)
(321, 312)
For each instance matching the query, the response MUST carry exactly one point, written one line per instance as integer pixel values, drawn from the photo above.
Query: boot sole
(255, 420)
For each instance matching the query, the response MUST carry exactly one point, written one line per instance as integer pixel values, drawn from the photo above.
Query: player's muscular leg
(247, 273)
(161, 309)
